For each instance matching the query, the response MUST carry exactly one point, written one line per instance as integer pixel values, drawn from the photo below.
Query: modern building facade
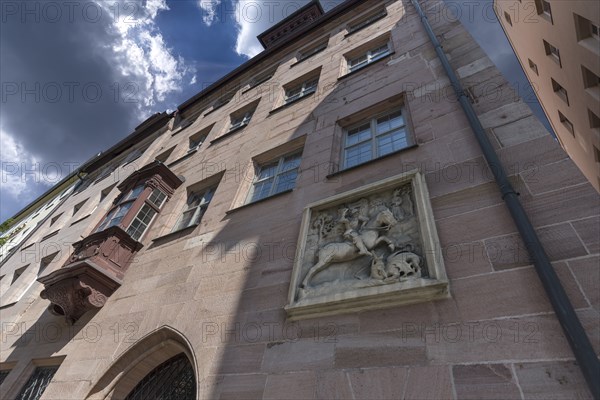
(558, 46)
(320, 223)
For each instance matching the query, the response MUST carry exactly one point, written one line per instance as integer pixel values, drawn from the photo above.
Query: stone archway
(146, 357)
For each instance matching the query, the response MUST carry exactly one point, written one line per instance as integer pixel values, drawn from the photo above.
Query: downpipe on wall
(576, 335)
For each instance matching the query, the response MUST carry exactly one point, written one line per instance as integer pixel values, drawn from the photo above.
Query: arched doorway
(172, 380)
(160, 366)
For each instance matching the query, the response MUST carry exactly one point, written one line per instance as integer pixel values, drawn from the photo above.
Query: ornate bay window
(99, 262)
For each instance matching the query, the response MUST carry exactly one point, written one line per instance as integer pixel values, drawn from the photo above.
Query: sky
(78, 75)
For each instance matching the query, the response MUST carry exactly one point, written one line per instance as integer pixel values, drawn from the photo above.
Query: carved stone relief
(363, 244)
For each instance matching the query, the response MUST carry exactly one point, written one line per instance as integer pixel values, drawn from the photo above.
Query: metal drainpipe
(578, 340)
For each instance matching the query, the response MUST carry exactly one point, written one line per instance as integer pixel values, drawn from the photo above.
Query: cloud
(209, 10)
(16, 161)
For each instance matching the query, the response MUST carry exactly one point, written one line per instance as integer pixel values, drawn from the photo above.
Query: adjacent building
(319, 223)
(558, 45)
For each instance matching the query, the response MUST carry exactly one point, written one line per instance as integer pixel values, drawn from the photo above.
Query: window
(368, 57)
(594, 120)
(276, 177)
(240, 120)
(552, 52)
(106, 172)
(375, 138)
(197, 203)
(507, 18)
(54, 219)
(533, 67)
(146, 214)
(195, 141)
(17, 274)
(78, 206)
(591, 82)
(133, 155)
(567, 124)
(261, 78)
(560, 91)
(311, 51)
(37, 383)
(596, 154)
(355, 27)
(304, 89)
(544, 9)
(173, 379)
(4, 373)
(594, 31)
(222, 101)
(47, 260)
(164, 156)
(115, 216)
(105, 192)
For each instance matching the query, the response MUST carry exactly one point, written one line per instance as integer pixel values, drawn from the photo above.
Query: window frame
(370, 59)
(199, 209)
(366, 21)
(275, 177)
(372, 122)
(305, 90)
(156, 208)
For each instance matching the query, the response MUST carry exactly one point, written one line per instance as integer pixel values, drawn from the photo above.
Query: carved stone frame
(433, 287)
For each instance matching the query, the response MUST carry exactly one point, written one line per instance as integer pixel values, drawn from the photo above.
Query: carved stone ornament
(74, 290)
(372, 247)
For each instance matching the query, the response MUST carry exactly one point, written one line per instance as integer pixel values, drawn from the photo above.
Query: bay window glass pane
(291, 162)
(135, 192)
(268, 171)
(141, 222)
(157, 198)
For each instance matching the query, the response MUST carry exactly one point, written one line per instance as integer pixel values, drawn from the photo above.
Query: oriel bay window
(99, 261)
(375, 137)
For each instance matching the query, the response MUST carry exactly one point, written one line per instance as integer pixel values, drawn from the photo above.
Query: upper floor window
(368, 57)
(195, 141)
(533, 67)
(275, 177)
(366, 21)
(508, 18)
(560, 91)
(311, 51)
(146, 214)
(134, 210)
(566, 123)
(115, 216)
(591, 82)
(298, 91)
(241, 120)
(375, 138)
(196, 205)
(261, 78)
(552, 51)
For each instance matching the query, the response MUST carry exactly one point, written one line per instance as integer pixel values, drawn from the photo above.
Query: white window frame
(150, 206)
(275, 177)
(370, 55)
(205, 197)
(239, 122)
(194, 145)
(307, 87)
(554, 52)
(372, 122)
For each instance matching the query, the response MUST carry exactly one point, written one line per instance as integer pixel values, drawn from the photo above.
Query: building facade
(320, 223)
(558, 46)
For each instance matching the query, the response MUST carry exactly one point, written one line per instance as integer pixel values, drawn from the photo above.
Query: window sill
(80, 219)
(591, 44)
(334, 174)
(366, 66)
(286, 105)
(259, 201)
(229, 133)
(185, 230)
(308, 58)
(180, 159)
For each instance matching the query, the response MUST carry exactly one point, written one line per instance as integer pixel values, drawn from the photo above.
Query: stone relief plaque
(372, 247)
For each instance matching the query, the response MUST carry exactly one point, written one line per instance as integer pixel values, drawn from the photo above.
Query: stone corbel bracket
(331, 297)
(74, 290)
